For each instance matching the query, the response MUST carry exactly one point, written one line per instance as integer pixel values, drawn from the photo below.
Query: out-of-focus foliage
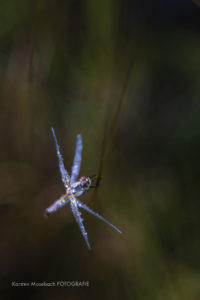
(64, 64)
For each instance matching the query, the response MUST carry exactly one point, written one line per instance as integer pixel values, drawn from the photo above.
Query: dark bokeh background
(126, 69)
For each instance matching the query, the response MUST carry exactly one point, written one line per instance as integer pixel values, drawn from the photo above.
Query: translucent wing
(57, 204)
(63, 172)
(79, 220)
(80, 204)
(77, 159)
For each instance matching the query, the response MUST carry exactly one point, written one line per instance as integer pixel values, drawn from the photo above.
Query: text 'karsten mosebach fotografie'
(51, 284)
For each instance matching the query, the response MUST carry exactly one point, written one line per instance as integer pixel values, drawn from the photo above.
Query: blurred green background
(127, 70)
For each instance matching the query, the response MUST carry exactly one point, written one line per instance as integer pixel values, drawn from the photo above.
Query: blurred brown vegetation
(65, 64)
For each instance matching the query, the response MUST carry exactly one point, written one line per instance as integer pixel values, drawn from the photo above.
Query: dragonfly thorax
(79, 187)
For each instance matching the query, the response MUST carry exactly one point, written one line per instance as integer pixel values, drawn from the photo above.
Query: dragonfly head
(85, 182)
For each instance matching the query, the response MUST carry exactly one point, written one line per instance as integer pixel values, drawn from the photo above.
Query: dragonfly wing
(57, 204)
(79, 220)
(77, 159)
(80, 204)
(63, 171)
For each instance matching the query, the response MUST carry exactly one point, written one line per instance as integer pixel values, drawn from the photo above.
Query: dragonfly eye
(85, 181)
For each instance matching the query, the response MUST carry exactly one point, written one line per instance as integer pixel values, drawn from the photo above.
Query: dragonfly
(75, 188)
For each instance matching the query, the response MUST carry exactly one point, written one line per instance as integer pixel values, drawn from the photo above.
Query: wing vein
(80, 204)
(77, 159)
(64, 174)
(79, 219)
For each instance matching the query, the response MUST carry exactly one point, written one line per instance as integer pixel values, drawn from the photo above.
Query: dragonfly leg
(93, 186)
(95, 181)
